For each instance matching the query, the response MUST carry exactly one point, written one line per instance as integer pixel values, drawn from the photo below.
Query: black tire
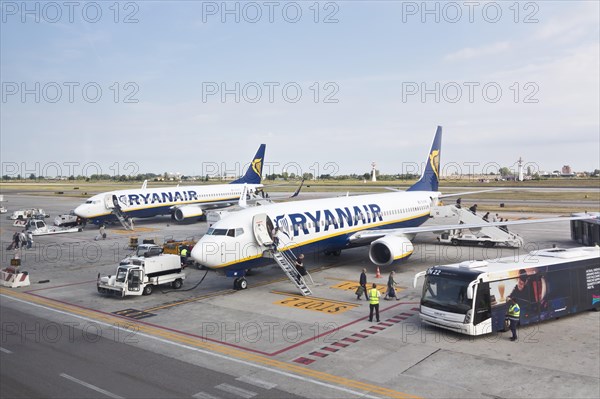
(177, 284)
(337, 252)
(243, 284)
(454, 242)
(147, 290)
(236, 284)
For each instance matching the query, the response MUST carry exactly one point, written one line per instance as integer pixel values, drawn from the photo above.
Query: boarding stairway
(287, 263)
(125, 222)
(465, 216)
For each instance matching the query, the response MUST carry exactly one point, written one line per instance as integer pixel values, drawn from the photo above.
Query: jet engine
(184, 212)
(388, 249)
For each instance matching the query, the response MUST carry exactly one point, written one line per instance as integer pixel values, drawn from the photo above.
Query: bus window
(446, 294)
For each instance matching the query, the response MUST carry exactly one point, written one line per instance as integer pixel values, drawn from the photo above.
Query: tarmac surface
(60, 338)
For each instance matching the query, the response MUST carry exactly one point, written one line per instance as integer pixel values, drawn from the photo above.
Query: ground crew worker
(183, 254)
(374, 302)
(514, 312)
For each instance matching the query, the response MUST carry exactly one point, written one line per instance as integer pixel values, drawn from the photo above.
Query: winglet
(254, 173)
(431, 175)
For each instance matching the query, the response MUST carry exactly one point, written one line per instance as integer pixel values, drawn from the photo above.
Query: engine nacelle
(184, 212)
(388, 249)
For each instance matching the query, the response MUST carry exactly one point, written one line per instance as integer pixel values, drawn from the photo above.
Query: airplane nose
(203, 253)
(80, 211)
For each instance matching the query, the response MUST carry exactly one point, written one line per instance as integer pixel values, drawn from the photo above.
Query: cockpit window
(89, 201)
(239, 232)
(219, 232)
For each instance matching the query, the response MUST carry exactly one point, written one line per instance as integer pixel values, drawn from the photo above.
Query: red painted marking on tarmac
(368, 331)
(340, 345)
(59, 286)
(360, 335)
(319, 354)
(304, 360)
(377, 328)
(351, 340)
(416, 309)
(385, 324)
(328, 349)
(407, 314)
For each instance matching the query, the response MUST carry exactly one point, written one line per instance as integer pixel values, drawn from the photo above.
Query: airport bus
(586, 232)
(471, 297)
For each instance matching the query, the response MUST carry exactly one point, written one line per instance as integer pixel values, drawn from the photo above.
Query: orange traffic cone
(377, 274)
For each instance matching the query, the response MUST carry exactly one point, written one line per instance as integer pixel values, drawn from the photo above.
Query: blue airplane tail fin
(430, 178)
(254, 173)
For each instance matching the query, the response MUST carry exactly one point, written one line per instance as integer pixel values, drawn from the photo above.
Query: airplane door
(108, 201)
(262, 226)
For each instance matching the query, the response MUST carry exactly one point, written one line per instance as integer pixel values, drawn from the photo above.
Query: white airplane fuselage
(149, 202)
(320, 225)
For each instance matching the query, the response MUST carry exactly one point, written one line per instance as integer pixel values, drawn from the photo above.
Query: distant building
(566, 170)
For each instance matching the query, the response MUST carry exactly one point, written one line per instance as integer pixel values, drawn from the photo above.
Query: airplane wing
(368, 235)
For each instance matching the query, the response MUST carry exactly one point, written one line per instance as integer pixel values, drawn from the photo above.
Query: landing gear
(337, 252)
(240, 283)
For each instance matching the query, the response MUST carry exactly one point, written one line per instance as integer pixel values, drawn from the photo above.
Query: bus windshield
(446, 294)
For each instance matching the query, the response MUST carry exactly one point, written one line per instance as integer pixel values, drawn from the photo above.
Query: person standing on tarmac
(374, 296)
(183, 255)
(363, 283)
(514, 313)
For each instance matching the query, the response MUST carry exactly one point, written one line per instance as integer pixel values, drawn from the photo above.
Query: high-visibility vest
(184, 252)
(514, 311)
(373, 296)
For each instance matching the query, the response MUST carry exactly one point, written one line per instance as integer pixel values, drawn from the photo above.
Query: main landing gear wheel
(240, 283)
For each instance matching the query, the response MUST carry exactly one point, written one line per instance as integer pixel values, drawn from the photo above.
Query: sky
(194, 87)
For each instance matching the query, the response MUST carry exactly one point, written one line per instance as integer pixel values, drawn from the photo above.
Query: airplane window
(210, 231)
(89, 202)
(231, 232)
(239, 232)
(219, 232)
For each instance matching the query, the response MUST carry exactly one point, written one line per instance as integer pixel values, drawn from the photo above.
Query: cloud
(476, 52)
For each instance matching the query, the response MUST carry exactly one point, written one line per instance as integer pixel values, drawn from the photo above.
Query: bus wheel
(489, 244)
(236, 284)
(454, 242)
(147, 290)
(243, 284)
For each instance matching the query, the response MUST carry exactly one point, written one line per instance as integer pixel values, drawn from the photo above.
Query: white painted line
(203, 351)
(204, 395)
(256, 382)
(5, 350)
(90, 386)
(236, 391)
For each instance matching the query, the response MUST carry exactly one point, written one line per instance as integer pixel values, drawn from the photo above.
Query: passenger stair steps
(286, 263)
(122, 219)
(494, 233)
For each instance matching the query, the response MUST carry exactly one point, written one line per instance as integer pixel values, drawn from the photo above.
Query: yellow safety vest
(514, 311)
(184, 252)
(373, 296)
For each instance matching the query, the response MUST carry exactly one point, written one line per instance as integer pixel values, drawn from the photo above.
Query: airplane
(180, 202)
(387, 222)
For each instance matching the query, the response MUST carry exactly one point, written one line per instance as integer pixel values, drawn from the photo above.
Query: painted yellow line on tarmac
(133, 233)
(316, 305)
(234, 353)
(353, 285)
